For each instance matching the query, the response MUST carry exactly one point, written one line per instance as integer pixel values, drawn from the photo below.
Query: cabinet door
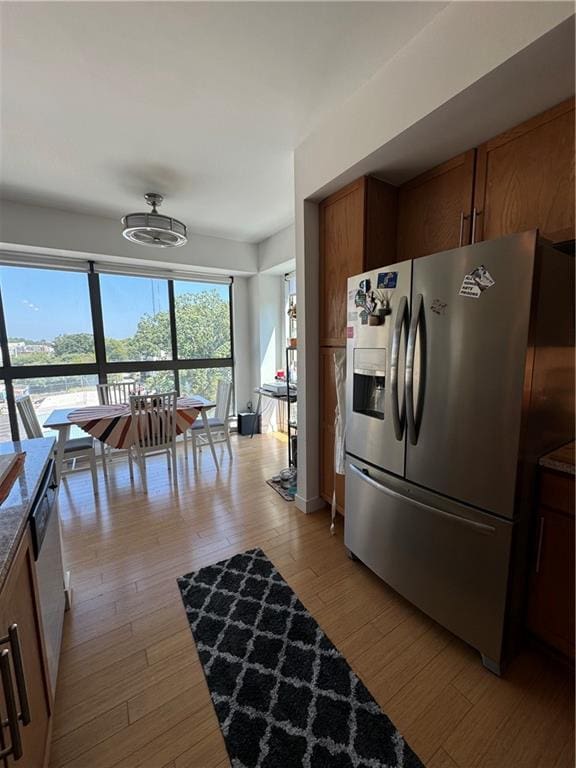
(434, 209)
(341, 255)
(327, 431)
(380, 225)
(551, 607)
(18, 606)
(525, 178)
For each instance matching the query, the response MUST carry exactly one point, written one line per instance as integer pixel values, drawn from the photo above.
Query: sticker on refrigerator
(387, 280)
(350, 331)
(352, 317)
(438, 307)
(476, 282)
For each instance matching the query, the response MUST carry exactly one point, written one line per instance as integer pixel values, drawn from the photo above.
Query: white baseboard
(309, 505)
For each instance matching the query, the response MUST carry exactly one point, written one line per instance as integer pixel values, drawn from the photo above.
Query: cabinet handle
(475, 214)
(14, 639)
(15, 749)
(540, 539)
(463, 217)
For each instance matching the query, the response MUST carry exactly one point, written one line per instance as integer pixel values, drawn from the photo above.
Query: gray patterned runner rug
(284, 696)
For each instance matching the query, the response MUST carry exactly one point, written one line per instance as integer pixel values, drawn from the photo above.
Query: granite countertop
(15, 509)
(561, 459)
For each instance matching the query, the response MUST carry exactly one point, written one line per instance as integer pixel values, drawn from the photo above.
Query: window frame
(102, 368)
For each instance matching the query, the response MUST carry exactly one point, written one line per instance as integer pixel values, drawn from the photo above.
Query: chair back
(28, 417)
(154, 420)
(223, 396)
(116, 394)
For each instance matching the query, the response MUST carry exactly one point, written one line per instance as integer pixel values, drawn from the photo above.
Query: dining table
(111, 424)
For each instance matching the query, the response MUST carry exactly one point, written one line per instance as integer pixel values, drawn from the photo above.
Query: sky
(43, 303)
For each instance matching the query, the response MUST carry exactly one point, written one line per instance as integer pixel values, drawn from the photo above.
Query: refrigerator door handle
(398, 413)
(363, 475)
(416, 323)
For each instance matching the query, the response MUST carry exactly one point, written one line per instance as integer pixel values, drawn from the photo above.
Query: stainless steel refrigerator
(460, 370)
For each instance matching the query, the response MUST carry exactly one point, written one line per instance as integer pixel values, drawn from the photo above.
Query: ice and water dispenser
(369, 386)
(370, 333)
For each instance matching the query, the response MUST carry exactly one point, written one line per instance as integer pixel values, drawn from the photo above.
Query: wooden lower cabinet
(18, 605)
(551, 604)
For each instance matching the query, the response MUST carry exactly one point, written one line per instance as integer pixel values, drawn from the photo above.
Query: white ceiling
(203, 102)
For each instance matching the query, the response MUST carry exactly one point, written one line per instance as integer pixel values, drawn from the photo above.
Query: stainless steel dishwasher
(46, 542)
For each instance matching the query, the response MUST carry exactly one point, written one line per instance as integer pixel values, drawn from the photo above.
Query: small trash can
(245, 422)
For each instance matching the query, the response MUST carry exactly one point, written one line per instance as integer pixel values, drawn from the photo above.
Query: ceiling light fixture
(153, 228)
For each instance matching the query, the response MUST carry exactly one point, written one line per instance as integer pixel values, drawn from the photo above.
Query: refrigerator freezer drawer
(449, 560)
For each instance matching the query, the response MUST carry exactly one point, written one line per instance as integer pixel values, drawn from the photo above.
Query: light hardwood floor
(131, 691)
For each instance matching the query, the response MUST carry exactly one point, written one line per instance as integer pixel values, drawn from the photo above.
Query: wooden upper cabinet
(357, 232)
(380, 224)
(434, 209)
(341, 255)
(525, 178)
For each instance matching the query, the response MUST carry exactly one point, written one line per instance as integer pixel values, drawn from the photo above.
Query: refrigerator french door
(375, 363)
(433, 479)
(466, 360)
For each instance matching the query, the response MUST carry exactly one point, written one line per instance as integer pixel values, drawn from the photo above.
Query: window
(4, 417)
(203, 381)
(136, 318)
(202, 320)
(148, 381)
(50, 393)
(61, 340)
(48, 319)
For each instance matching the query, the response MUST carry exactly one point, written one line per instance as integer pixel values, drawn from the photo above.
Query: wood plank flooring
(131, 692)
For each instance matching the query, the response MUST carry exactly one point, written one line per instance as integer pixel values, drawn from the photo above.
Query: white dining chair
(116, 394)
(219, 424)
(154, 430)
(74, 448)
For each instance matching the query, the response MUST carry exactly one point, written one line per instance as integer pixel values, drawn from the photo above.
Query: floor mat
(286, 493)
(284, 696)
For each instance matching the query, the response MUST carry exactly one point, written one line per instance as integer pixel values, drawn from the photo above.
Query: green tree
(152, 338)
(117, 350)
(203, 331)
(158, 381)
(203, 381)
(202, 327)
(33, 358)
(68, 344)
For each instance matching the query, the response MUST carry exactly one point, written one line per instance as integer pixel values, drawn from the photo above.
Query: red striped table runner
(112, 424)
